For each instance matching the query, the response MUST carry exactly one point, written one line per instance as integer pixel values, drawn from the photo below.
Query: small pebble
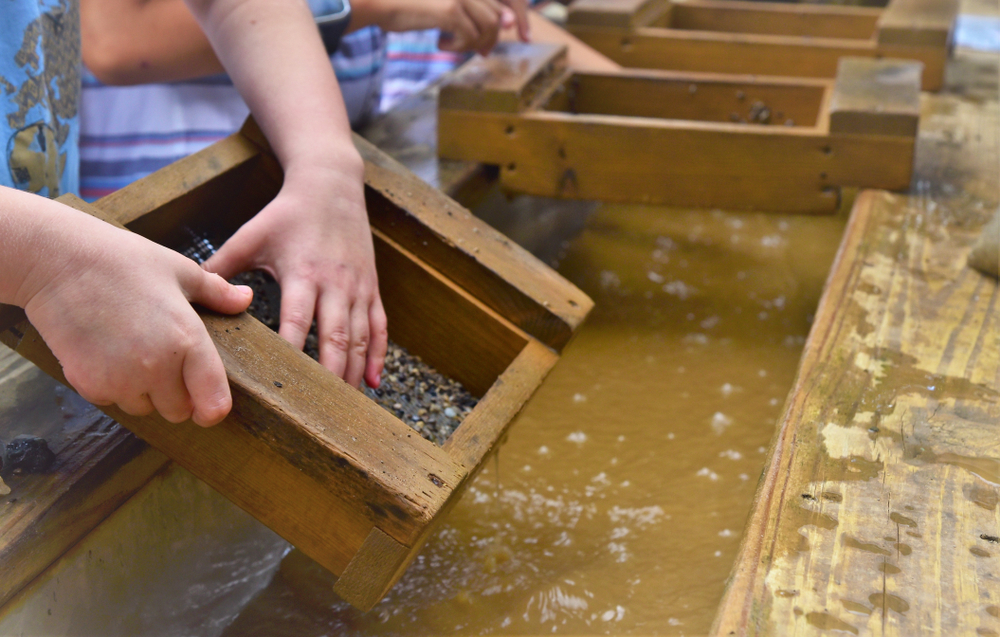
(27, 454)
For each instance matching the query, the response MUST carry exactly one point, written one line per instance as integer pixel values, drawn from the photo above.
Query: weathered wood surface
(97, 466)
(506, 80)
(596, 136)
(877, 513)
(735, 36)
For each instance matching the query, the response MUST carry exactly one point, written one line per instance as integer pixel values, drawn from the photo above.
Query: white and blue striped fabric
(127, 132)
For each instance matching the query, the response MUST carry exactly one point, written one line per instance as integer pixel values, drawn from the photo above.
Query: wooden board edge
(491, 267)
(109, 480)
(736, 611)
(374, 569)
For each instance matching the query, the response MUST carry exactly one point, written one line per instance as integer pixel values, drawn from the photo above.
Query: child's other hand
(116, 311)
(466, 25)
(314, 238)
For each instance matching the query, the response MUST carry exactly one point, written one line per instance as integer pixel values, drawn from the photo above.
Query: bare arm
(116, 310)
(314, 238)
(143, 41)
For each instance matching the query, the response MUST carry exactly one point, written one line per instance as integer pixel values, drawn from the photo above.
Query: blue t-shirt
(39, 95)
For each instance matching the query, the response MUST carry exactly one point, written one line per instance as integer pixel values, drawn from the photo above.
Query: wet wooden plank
(877, 513)
(97, 466)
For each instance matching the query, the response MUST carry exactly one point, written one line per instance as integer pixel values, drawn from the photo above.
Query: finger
(137, 405)
(172, 400)
(520, 9)
(463, 33)
(486, 15)
(379, 343)
(215, 293)
(357, 352)
(507, 19)
(334, 334)
(206, 384)
(236, 255)
(298, 302)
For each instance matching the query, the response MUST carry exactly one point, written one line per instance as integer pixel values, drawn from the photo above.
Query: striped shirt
(128, 132)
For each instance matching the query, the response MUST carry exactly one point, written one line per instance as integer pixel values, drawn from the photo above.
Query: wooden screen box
(682, 138)
(308, 455)
(765, 38)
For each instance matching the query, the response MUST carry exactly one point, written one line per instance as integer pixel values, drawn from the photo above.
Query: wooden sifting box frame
(765, 38)
(682, 138)
(308, 455)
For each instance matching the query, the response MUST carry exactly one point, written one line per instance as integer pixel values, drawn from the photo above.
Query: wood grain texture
(614, 157)
(697, 96)
(876, 97)
(617, 13)
(775, 18)
(507, 80)
(98, 465)
(776, 38)
(877, 513)
(470, 253)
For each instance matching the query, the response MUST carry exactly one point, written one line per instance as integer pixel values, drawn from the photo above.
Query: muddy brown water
(618, 502)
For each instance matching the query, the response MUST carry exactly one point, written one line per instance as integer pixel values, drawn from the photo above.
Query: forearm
(37, 236)
(274, 55)
(137, 42)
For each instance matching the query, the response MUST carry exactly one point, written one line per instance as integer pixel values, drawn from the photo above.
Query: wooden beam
(633, 137)
(775, 18)
(507, 80)
(734, 36)
(876, 97)
(919, 23)
(704, 97)
(625, 14)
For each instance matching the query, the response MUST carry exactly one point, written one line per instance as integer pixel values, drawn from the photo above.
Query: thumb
(234, 256)
(215, 293)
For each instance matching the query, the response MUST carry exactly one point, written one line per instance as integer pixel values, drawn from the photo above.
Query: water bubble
(720, 422)
(578, 437)
(707, 473)
(655, 277)
(579, 398)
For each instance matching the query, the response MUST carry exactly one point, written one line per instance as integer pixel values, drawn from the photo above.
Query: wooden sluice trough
(682, 139)
(765, 38)
(877, 511)
(303, 452)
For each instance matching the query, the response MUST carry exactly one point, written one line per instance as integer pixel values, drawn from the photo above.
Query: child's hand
(116, 311)
(314, 238)
(466, 25)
